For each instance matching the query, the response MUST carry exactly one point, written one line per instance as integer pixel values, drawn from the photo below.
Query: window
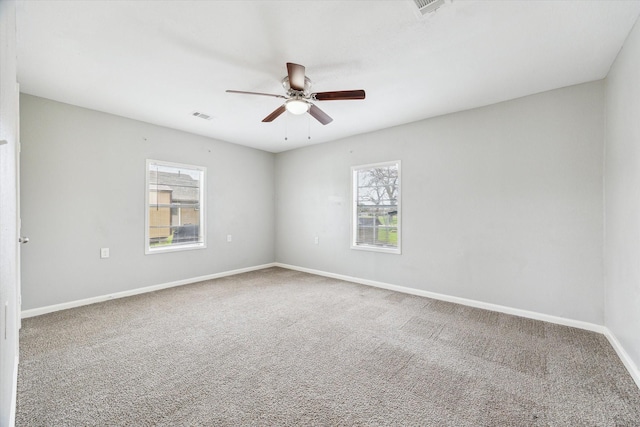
(175, 207)
(376, 207)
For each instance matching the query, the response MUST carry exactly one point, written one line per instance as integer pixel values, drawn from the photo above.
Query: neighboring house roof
(185, 188)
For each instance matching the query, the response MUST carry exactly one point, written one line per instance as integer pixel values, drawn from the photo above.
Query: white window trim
(203, 223)
(354, 209)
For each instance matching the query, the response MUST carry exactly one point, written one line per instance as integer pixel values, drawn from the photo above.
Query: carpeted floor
(280, 347)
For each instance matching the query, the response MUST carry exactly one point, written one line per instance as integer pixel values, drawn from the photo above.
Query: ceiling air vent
(201, 115)
(428, 6)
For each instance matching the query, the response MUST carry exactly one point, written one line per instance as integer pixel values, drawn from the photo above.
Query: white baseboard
(624, 356)
(71, 304)
(617, 346)
(458, 300)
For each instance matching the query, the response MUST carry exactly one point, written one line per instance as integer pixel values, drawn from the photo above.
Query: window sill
(371, 248)
(164, 249)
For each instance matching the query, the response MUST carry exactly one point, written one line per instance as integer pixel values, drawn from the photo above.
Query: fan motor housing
(292, 92)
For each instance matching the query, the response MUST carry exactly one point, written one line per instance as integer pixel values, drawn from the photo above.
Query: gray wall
(501, 204)
(622, 196)
(8, 211)
(83, 187)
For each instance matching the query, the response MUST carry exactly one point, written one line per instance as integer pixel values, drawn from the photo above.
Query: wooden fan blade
(339, 95)
(296, 76)
(320, 115)
(256, 93)
(271, 117)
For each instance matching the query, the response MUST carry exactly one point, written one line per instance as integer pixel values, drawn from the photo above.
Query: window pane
(175, 213)
(376, 213)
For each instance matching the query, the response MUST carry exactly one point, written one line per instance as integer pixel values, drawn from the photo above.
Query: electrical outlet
(316, 240)
(229, 238)
(104, 252)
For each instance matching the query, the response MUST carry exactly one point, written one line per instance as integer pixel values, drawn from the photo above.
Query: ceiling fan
(299, 96)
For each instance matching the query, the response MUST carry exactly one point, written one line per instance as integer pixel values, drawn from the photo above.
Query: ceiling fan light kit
(299, 96)
(297, 106)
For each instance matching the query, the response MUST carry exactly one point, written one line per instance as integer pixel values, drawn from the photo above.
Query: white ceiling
(159, 61)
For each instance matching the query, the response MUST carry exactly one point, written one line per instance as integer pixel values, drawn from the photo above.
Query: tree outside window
(376, 195)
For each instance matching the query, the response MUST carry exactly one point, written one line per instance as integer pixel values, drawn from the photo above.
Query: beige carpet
(279, 347)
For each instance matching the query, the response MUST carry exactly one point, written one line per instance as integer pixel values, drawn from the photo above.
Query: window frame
(148, 250)
(354, 209)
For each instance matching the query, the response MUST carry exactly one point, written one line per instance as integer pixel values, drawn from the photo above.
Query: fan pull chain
(308, 127)
(286, 126)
